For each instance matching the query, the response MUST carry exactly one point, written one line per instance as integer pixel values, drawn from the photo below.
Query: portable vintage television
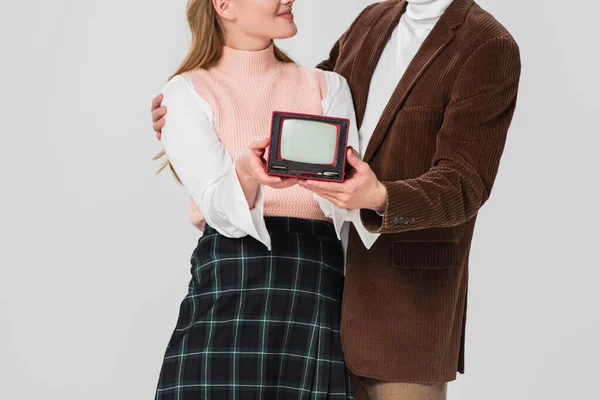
(308, 146)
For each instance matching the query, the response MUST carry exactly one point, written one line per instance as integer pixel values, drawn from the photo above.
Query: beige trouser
(372, 389)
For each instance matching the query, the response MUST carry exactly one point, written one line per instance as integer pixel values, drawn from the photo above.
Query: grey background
(95, 249)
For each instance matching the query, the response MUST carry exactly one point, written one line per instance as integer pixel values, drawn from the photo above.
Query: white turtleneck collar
(423, 14)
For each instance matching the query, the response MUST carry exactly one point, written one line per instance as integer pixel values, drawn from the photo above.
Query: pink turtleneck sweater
(215, 112)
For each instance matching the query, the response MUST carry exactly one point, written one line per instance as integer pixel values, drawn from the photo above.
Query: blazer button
(396, 221)
(406, 221)
(412, 220)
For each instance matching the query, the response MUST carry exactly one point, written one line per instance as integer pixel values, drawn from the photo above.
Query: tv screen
(306, 141)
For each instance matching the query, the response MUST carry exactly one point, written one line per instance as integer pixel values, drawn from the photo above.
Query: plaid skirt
(261, 325)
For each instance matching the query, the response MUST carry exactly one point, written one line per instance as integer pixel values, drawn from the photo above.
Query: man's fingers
(156, 102)
(328, 196)
(157, 126)
(350, 174)
(332, 187)
(158, 113)
(354, 160)
(335, 198)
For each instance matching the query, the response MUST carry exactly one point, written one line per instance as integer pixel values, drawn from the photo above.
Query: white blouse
(207, 170)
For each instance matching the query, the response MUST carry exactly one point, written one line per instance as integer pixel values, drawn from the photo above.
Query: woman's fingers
(285, 183)
(259, 174)
(268, 180)
(275, 182)
(259, 144)
(255, 165)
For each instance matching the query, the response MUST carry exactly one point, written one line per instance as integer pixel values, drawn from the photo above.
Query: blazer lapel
(369, 53)
(439, 37)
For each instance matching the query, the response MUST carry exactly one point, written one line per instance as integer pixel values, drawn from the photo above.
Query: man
(434, 85)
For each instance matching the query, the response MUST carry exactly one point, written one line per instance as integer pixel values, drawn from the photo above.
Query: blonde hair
(208, 39)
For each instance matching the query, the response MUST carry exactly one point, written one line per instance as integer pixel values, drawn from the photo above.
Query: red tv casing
(321, 172)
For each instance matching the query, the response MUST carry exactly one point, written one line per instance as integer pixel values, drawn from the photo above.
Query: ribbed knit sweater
(243, 89)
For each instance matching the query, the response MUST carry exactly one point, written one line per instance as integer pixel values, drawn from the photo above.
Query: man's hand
(158, 115)
(361, 189)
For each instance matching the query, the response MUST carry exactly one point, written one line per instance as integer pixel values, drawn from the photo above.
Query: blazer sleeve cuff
(390, 220)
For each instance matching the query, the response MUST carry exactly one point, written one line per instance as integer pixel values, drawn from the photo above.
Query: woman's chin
(287, 33)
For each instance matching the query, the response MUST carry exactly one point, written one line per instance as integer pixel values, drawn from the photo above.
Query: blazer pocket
(426, 255)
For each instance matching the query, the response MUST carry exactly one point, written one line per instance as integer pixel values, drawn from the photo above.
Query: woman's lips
(287, 15)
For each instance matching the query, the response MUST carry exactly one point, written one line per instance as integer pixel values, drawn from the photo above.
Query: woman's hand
(250, 169)
(250, 166)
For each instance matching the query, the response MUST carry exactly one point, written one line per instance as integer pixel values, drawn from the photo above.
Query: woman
(261, 318)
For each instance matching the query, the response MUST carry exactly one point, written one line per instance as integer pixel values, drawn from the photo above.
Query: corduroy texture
(250, 86)
(437, 148)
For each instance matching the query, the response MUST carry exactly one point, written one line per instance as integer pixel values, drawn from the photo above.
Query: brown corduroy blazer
(436, 148)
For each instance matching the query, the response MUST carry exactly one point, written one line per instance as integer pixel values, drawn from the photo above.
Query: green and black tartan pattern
(258, 324)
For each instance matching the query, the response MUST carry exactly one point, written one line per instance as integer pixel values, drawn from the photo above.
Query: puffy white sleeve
(205, 167)
(338, 103)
